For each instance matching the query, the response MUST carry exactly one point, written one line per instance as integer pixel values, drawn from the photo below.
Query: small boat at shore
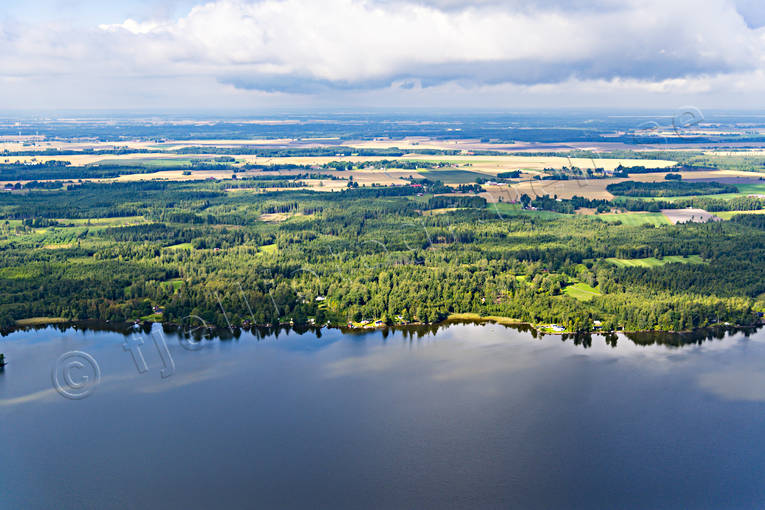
(2, 360)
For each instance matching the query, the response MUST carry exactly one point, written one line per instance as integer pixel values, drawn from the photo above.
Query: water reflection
(441, 416)
(584, 340)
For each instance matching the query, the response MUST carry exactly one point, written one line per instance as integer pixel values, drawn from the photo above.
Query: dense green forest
(669, 188)
(167, 250)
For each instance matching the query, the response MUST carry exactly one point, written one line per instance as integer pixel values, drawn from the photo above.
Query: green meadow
(655, 262)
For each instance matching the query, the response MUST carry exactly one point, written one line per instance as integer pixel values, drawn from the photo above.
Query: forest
(164, 251)
(669, 188)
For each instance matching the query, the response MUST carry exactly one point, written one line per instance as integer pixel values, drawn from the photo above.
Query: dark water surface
(470, 417)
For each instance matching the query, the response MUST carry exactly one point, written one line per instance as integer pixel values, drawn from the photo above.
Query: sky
(485, 54)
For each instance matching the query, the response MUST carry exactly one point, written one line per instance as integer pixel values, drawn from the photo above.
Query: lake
(465, 416)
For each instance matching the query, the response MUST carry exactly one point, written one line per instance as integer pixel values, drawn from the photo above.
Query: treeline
(625, 171)
(62, 170)
(547, 203)
(669, 188)
(442, 202)
(707, 203)
(77, 152)
(330, 151)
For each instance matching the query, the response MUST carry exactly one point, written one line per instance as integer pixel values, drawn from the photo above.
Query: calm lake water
(468, 417)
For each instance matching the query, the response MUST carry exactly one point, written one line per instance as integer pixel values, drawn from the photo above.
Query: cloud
(311, 46)
(337, 47)
(737, 385)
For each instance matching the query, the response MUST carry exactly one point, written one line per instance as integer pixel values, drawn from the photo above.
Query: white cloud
(353, 42)
(341, 47)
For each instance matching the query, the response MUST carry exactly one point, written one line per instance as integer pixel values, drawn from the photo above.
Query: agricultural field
(726, 215)
(156, 162)
(268, 249)
(504, 209)
(654, 262)
(454, 176)
(179, 246)
(581, 291)
(636, 218)
(689, 214)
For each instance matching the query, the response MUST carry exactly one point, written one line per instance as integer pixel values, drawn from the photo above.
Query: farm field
(743, 191)
(726, 215)
(636, 218)
(503, 209)
(175, 175)
(180, 246)
(654, 262)
(581, 291)
(454, 176)
(89, 159)
(686, 215)
(159, 162)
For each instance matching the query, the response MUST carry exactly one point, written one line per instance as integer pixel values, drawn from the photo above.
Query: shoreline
(460, 318)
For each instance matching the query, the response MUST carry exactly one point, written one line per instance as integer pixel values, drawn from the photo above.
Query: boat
(2, 360)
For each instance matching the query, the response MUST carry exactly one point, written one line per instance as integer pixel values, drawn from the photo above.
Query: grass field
(752, 188)
(636, 218)
(454, 176)
(433, 212)
(743, 191)
(148, 162)
(581, 291)
(181, 246)
(726, 215)
(654, 262)
(40, 321)
(503, 210)
(175, 283)
(478, 318)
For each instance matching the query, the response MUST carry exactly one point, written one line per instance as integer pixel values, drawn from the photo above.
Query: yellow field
(485, 165)
(326, 184)
(479, 318)
(588, 188)
(506, 163)
(176, 175)
(87, 159)
(40, 321)
(492, 164)
(591, 188)
(711, 174)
